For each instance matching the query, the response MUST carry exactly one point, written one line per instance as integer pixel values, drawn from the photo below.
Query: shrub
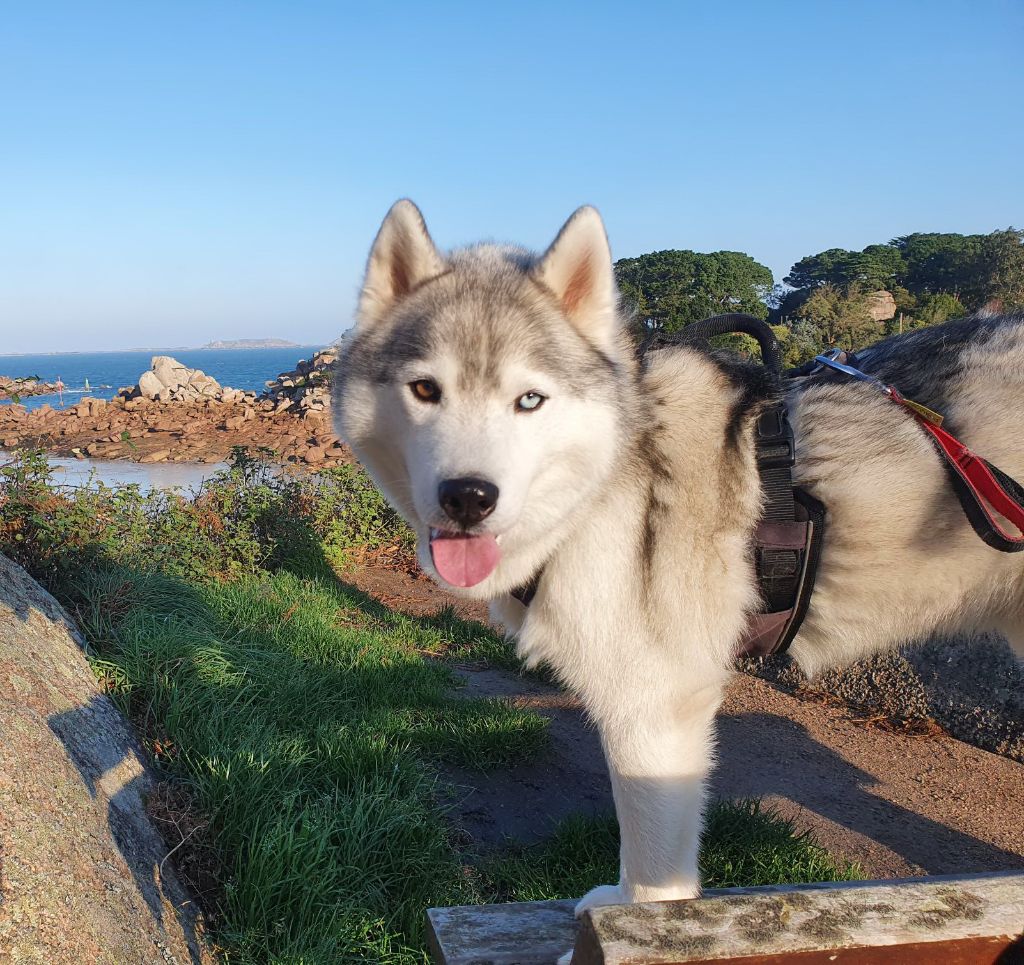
(252, 515)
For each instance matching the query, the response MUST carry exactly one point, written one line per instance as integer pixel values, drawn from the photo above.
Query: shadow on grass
(304, 717)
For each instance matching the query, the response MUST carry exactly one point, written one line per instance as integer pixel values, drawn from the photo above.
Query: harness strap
(786, 556)
(525, 593)
(787, 542)
(775, 452)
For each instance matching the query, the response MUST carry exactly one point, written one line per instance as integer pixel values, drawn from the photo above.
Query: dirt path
(898, 804)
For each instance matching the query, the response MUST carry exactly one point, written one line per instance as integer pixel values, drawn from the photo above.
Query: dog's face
(480, 391)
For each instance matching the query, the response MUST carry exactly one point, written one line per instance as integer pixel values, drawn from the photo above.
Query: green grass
(744, 844)
(467, 640)
(307, 721)
(305, 729)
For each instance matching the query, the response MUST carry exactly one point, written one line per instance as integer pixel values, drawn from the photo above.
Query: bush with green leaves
(251, 516)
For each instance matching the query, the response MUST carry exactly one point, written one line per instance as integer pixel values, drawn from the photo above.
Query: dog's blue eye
(529, 401)
(426, 390)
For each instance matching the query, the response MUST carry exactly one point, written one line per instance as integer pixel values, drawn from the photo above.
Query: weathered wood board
(947, 920)
(526, 933)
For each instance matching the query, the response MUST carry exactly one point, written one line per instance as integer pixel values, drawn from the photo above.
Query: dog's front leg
(659, 759)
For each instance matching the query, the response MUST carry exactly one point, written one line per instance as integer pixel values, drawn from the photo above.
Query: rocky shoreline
(11, 388)
(177, 414)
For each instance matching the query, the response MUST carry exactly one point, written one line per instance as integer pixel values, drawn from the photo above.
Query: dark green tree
(942, 262)
(876, 267)
(924, 310)
(841, 318)
(972, 270)
(1003, 268)
(824, 268)
(800, 342)
(674, 288)
(937, 308)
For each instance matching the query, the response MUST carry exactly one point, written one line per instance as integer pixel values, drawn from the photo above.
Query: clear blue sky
(172, 172)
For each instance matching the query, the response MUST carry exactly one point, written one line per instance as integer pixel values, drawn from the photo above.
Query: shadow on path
(769, 755)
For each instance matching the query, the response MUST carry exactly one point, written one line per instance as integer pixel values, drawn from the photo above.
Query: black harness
(787, 541)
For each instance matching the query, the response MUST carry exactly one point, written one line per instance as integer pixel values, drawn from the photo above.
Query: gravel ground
(973, 689)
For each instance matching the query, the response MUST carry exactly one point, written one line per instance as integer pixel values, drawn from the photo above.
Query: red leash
(983, 489)
(979, 485)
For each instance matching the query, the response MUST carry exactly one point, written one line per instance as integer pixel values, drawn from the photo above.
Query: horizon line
(171, 348)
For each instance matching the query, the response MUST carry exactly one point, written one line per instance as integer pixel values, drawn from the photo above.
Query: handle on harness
(774, 446)
(733, 322)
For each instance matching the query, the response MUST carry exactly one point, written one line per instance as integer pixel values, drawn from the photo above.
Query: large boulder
(168, 380)
(149, 385)
(84, 873)
(170, 371)
(881, 305)
(307, 386)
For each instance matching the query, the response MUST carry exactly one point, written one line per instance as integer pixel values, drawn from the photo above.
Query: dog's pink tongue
(464, 560)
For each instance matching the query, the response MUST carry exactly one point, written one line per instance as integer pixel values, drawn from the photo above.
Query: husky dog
(497, 400)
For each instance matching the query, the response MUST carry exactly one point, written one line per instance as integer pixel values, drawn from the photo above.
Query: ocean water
(246, 369)
(184, 476)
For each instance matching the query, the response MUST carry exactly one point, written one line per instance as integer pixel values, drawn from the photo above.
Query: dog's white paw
(601, 895)
(565, 959)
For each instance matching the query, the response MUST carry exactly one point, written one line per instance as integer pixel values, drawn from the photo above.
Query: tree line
(834, 297)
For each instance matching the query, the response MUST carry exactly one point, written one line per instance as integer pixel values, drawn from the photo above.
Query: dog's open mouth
(464, 559)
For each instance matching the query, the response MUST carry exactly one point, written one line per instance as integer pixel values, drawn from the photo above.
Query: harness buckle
(774, 443)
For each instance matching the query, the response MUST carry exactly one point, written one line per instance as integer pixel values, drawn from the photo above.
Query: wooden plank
(973, 919)
(525, 933)
(942, 920)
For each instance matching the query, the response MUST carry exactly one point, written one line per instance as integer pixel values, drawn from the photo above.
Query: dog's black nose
(467, 500)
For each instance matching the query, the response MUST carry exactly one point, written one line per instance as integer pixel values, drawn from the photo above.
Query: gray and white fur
(632, 485)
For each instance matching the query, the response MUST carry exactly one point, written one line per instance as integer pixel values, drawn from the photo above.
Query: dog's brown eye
(425, 390)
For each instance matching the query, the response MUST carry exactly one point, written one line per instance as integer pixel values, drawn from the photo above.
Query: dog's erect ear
(403, 255)
(577, 268)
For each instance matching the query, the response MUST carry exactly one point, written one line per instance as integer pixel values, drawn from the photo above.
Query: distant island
(251, 343)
